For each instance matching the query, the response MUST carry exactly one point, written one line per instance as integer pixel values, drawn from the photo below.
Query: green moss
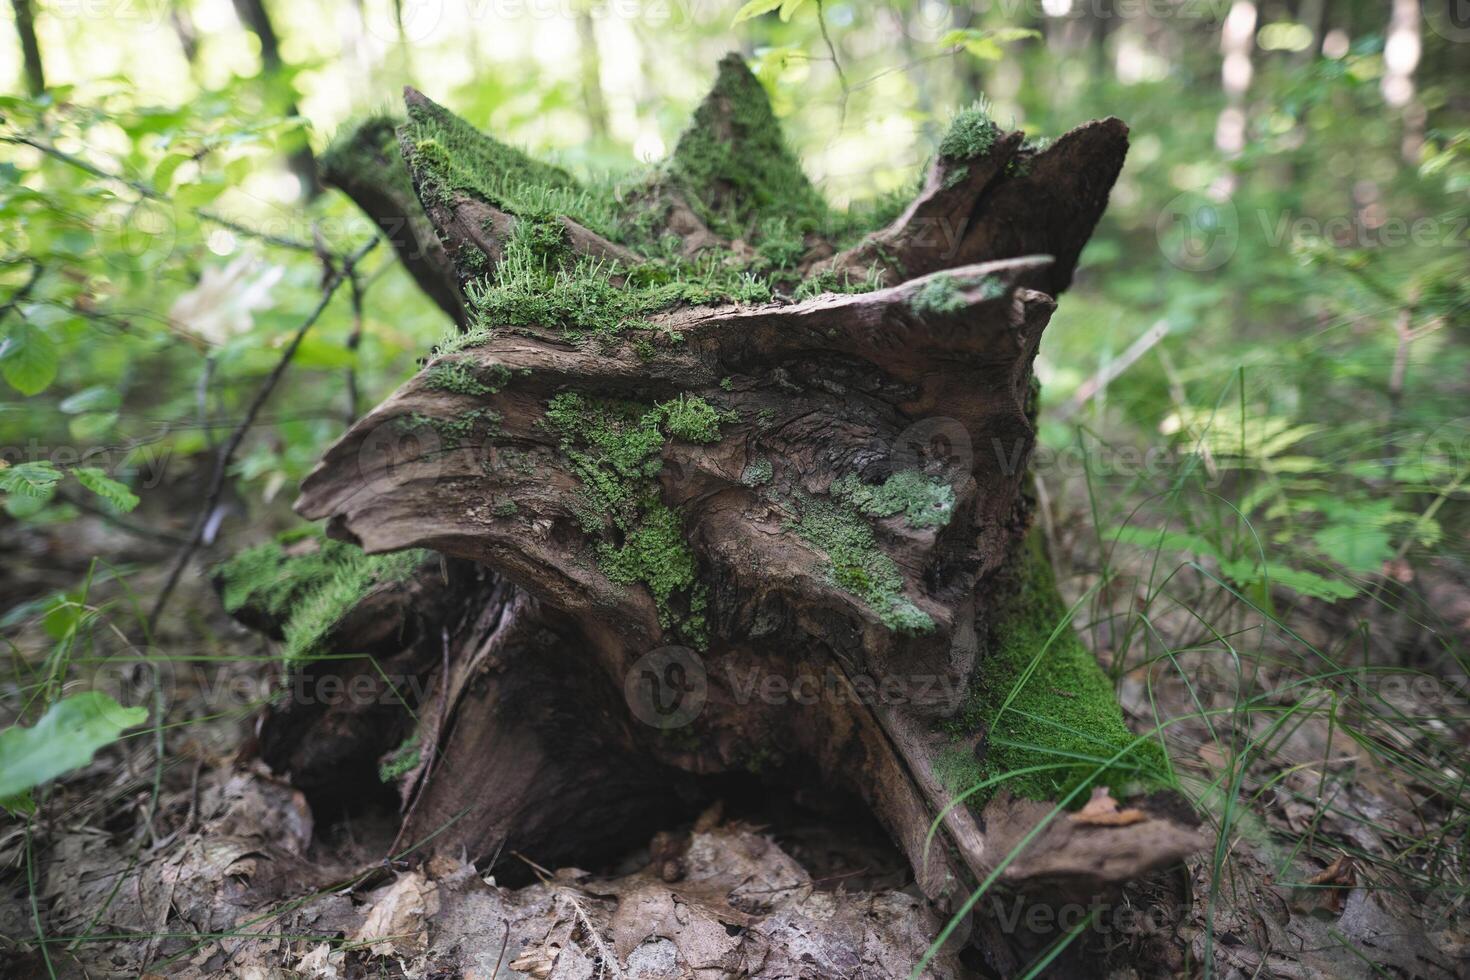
(505, 508)
(616, 450)
(691, 419)
(939, 295)
(757, 473)
(456, 377)
(1062, 710)
(737, 168)
(923, 501)
(971, 134)
(456, 431)
(401, 761)
(828, 281)
(309, 592)
(858, 564)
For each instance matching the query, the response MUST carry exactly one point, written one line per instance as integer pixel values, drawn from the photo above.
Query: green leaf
(104, 486)
(98, 398)
(28, 358)
(66, 738)
(754, 8)
(35, 480)
(984, 44)
(789, 7)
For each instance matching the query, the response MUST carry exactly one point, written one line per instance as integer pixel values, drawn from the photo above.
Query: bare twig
(143, 190)
(227, 453)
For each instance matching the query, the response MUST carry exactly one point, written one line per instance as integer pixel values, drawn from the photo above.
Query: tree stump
(717, 480)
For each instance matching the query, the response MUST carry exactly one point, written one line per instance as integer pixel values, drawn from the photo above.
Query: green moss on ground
(924, 501)
(616, 450)
(308, 593)
(857, 563)
(1061, 711)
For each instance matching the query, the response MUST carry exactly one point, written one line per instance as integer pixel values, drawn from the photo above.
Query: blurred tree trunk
(256, 18)
(591, 69)
(1402, 47)
(182, 22)
(25, 26)
(1237, 41)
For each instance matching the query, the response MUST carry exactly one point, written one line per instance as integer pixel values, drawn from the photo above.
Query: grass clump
(1040, 699)
(305, 588)
(455, 431)
(924, 501)
(616, 450)
(858, 565)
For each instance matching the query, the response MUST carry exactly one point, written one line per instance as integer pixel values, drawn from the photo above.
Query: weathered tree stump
(725, 483)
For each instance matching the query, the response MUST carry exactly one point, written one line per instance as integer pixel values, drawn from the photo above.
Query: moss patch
(923, 500)
(401, 761)
(616, 450)
(310, 591)
(1062, 711)
(971, 134)
(460, 379)
(858, 564)
(736, 165)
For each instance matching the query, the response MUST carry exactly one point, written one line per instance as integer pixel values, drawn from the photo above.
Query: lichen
(757, 472)
(971, 134)
(858, 565)
(924, 501)
(939, 295)
(1041, 700)
(460, 379)
(454, 431)
(616, 450)
(307, 583)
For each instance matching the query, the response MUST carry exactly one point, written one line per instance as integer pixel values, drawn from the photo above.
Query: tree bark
(30, 48)
(784, 538)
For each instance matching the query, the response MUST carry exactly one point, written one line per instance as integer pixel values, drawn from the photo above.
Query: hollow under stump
(714, 480)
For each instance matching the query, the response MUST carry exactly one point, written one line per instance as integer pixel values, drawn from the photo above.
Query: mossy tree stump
(702, 441)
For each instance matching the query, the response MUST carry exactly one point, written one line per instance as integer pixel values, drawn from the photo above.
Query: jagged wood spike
(365, 164)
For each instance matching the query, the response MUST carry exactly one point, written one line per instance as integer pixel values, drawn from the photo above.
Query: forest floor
(1332, 852)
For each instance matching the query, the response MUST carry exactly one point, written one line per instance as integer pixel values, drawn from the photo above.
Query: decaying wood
(536, 749)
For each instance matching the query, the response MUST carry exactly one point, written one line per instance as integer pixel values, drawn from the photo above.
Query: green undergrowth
(858, 565)
(616, 450)
(1040, 699)
(309, 592)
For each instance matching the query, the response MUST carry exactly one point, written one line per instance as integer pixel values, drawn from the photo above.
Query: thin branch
(227, 454)
(832, 50)
(143, 190)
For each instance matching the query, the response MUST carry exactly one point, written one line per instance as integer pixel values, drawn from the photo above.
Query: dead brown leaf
(1102, 811)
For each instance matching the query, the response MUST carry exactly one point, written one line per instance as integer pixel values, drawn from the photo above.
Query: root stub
(706, 517)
